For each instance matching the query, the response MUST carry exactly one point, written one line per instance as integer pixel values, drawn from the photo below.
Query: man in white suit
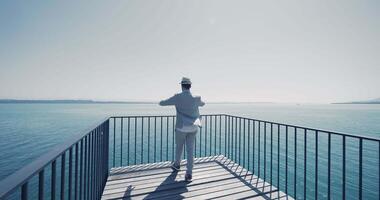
(187, 123)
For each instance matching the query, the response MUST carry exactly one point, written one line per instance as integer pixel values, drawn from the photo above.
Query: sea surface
(29, 130)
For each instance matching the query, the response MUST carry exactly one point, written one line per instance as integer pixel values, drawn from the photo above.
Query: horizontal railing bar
(140, 116)
(264, 121)
(13, 181)
(311, 129)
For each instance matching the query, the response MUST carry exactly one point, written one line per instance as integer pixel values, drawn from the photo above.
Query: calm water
(29, 130)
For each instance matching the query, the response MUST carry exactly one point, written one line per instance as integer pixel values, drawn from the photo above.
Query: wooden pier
(214, 177)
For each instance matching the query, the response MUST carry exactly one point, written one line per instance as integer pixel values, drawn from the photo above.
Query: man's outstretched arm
(168, 102)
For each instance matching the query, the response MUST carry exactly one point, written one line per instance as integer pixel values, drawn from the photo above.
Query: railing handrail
(309, 128)
(136, 116)
(265, 121)
(16, 179)
(254, 144)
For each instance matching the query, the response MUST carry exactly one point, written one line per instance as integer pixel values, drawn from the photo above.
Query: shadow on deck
(214, 177)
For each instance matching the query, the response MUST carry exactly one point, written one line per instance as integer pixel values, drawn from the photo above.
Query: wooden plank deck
(213, 178)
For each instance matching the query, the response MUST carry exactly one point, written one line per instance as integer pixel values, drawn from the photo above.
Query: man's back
(187, 107)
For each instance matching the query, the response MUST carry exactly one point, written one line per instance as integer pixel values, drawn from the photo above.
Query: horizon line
(92, 101)
(105, 101)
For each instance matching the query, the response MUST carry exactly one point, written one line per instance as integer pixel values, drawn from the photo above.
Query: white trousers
(189, 138)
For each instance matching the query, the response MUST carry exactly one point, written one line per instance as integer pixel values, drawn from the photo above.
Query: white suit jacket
(187, 107)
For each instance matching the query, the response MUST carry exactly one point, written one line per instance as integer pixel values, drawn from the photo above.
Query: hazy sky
(280, 51)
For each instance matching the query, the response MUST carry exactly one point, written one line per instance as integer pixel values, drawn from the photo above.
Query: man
(187, 124)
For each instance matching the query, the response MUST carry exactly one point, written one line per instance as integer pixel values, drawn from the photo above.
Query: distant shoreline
(63, 101)
(358, 103)
(372, 101)
(5, 101)
(68, 101)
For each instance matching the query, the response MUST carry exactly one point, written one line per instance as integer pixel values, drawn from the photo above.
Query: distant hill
(372, 101)
(71, 101)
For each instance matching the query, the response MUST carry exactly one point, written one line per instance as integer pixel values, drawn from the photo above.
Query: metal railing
(82, 163)
(305, 163)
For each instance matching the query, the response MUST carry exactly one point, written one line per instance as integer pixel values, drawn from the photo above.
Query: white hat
(185, 81)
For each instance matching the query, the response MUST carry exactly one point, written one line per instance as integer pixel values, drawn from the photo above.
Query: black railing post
(92, 161)
(360, 169)
(173, 137)
(99, 163)
(254, 150)
(329, 167)
(155, 139)
(205, 135)
(316, 165)
(249, 144)
(225, 135)
(278, 160)
(107, 150)
(142, 141)
(167, 138)
(148, 139)
(295, 163)
(41, 185)
(96, 178)
(210, 152)
(304, 162)
(220, 134)
(265, 152)
(231, 133)
(128, 142)
(70, 171)
(232, 137)
(236, 139)
(161, 133)
(24, 191)
(81, 169)
(63, 163)
(88, 167)
(286, 159)
(121, 141)
(76, 171)
(53, 179)
(271, 158)
(102, 158)
(128, 138)
(95, 161)
(200, 140)
(244, 134)
(215, 123)
(195, 145)
(239, 142)
(344, 169)
(135, 141)
(258, 145)
(228, 146)
(93, 179)
(114, 142)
